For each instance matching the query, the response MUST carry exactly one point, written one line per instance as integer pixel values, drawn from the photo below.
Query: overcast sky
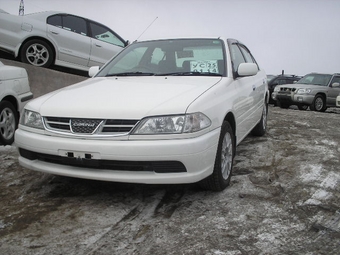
(298, 36)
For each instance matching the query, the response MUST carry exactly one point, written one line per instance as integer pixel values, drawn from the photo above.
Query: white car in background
(163, 111)
(14, 94)
(63, 39)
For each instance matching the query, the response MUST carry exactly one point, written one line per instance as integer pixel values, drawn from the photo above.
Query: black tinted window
(55, 21)
(75, 24)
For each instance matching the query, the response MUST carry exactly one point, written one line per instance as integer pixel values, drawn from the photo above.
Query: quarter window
(104, 34)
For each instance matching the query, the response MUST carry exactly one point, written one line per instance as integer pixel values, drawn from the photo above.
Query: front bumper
(196, 154)
(293, 99)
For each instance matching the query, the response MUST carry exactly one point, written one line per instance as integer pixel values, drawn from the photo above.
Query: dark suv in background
(274, 80)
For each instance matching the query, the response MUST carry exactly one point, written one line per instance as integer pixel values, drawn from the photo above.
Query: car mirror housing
(336, 85)
(247, 69)
(93, 70)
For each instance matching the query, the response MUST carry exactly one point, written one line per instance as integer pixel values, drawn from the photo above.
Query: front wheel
(8, 122)
(220, 178)
(319, 104)
(37, 53)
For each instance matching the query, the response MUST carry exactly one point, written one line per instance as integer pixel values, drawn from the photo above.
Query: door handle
(54, 32)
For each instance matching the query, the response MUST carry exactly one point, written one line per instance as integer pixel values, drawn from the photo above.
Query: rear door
(104, 44)
(70, 34)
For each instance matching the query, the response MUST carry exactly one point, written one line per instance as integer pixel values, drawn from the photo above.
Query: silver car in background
(51, 37)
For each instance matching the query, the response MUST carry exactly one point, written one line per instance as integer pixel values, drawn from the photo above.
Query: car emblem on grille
(84, 126)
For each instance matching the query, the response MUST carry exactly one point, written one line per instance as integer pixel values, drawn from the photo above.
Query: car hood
(123, 98)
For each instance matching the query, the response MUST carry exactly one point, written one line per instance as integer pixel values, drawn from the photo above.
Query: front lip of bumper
(197, 154)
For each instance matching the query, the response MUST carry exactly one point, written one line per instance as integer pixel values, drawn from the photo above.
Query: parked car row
(316, 91)
(46, 38)
(274, 80)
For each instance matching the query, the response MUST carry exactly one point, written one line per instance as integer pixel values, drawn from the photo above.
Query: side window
(74, 24)
(104, 34)
(336, 79)
(55, 20)
(247, 55)
(236, 56)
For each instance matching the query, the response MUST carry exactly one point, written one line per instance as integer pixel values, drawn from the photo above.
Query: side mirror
(93, 70)
(336, 85)
(247, 69)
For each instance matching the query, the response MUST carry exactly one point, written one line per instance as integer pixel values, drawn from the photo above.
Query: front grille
(285, 90)
(146, 166)
(89, 126)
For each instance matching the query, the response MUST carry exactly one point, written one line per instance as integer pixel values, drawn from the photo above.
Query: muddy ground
(283, 199)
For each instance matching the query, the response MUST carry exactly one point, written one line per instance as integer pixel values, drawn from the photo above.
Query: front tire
(220, 178)
(37, 53)
(319, 104)
(8, 122)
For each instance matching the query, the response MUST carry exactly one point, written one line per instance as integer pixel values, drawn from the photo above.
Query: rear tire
(261, 128)
(220, 178)
(37, 53)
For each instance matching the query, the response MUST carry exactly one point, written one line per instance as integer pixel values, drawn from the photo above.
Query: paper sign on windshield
(204, 66)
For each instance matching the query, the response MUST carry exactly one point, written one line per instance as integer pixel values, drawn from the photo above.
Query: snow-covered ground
(283, 199)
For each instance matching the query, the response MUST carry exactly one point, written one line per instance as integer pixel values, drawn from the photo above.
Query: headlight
(32, 119)
(277, 88)
(173, 124)
(304, 91)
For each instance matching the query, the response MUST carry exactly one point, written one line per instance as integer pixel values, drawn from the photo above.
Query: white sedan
(14, 94)
(51, 37)
(163, 111)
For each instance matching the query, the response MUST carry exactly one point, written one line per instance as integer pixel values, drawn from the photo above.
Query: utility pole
(21, 8)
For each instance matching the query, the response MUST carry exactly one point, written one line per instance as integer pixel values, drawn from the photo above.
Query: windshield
(169, 57)
(316, 79)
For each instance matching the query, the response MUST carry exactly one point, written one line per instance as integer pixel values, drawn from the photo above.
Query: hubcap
(226, 156)
(37, 54)
(7, 124)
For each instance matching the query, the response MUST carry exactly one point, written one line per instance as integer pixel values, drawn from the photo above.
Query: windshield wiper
(130, 74)
(190, 74)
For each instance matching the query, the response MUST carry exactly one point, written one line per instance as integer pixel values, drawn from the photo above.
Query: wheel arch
(42, 39)
(12, 100)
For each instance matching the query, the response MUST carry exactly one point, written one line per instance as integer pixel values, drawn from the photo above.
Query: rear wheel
(8, 122)
(37, 53)
(319, 104)
(261, 128)
(220, 178)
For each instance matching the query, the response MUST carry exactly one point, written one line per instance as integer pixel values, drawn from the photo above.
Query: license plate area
(79, 154)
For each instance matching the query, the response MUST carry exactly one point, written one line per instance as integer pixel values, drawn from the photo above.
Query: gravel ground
(283, 199)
